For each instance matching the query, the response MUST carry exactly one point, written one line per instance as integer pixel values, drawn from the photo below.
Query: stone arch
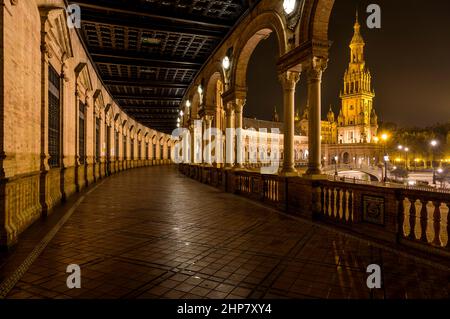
(259, 28)
(315, 21)
(211, 86)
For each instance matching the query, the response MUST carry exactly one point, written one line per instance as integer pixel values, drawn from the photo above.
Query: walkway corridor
(153, 233)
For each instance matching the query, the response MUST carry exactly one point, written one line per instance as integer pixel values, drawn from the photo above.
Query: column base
(288, 172)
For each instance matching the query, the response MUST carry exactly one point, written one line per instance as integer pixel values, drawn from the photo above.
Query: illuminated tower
(357, 120)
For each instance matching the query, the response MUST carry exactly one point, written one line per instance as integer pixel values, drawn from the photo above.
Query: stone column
(239, 147)
(314, 74)
(208, 126)
(229, 139)
(289, 80)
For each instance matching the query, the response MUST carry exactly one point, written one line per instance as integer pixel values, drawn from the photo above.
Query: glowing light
(178, 120)
(440, 170)
(406, 149)
(434, 143)
(384, 137)
(200, 90)
(181, 113)
(400, 147)
(376, 139)
(188, 103)
(289, 6)
(226, 63)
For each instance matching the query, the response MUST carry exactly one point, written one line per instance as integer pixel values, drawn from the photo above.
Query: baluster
(437, 223)
(330, 202)
(322, 199)
(430, 224)
(405, 213)
(423, 222)
(412, 219)
(347, 212)
(444, 225)
(341, 195)
(334, 202)
(351, 206)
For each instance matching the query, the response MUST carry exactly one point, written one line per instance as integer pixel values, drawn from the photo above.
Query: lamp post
(406, 158)
(433, 144)
(384, 137)
(386, 160)
(335, 166)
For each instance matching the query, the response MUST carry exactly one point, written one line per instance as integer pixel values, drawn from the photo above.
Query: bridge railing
(412, 218)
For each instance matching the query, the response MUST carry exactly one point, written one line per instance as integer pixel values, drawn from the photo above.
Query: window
(154, 151)
(161, 152)
(116, 144)
(54, 118)
(132, 149)
(169, 152)
(139, 150)
(81, 134)
(124, 148)
(108, 142)
(146, 151)
(97, 139)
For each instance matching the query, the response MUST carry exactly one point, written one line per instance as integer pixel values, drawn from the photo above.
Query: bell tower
(356, 118)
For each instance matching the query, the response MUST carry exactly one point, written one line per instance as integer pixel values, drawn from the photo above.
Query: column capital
(315, 68)
(229, 108)
(239, 105)
(289, 79)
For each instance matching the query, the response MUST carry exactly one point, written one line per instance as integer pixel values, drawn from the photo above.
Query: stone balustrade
(412, 218)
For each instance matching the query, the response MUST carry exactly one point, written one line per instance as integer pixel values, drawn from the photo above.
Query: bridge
(373, 173)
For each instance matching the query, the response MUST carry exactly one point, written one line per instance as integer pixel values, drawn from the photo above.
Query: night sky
(409, 58)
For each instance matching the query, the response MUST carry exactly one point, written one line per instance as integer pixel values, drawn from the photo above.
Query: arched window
(97, 139)
(132, 148)
(139, 150)
(54, 118)
(116, 144)
(81, 134)
(124, 156)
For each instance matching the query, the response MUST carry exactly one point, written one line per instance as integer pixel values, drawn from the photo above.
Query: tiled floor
(153, 233)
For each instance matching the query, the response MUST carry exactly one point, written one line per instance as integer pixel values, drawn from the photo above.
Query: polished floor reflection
(153, 233)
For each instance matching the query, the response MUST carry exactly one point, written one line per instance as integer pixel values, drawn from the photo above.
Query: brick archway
(260, 28)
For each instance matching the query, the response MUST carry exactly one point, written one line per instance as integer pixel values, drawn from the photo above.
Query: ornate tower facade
(357, 120)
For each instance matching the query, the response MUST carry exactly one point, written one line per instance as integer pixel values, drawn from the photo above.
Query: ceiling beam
(152, 110)
(150, 107)
(191, 31)
(148, 98)
(106, 7)
(122, 59)
(145, 83)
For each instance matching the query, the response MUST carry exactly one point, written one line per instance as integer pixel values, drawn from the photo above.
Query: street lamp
(386, 160)
(335, 166)
(384, 137)
(433, 144)
(406, 157)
